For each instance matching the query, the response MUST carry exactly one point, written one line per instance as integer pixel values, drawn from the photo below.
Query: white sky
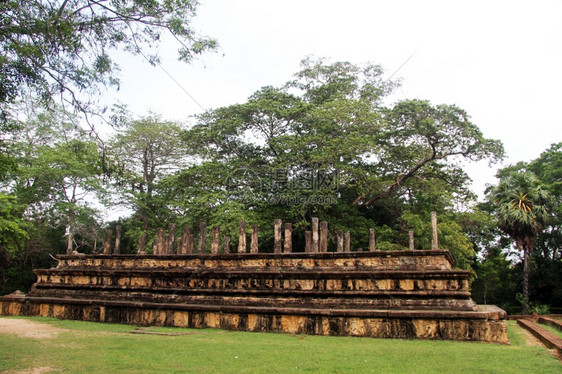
(501, 61)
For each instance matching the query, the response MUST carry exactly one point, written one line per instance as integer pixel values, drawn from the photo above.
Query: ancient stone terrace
(397, 294)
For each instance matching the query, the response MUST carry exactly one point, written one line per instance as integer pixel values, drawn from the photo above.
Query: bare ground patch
(40, 370)
(27, 329)
(530, 339)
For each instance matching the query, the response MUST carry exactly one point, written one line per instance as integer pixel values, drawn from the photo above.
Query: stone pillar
(340, 241)
(107, 243)
(185, 233)
(190, 244)
(117, 248)
(323, 246)
(242, 237)
(164, 250)
(159, 241)
(308, 241)
(155, 244)
(178, 245)
(226, 244)
(411, 235)
(277, 235)
(434, 234)
(202, 237)
(288, 244)
(254, 240)
(314, 234)
(142, 244)
(171, 239)
(347, 242)
(372, 243)
(215, 243)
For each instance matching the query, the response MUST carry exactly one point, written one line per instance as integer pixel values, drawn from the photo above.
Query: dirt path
(28, 329)
(32, 371)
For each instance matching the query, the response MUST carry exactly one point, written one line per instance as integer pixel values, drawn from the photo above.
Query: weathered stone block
(379, 294)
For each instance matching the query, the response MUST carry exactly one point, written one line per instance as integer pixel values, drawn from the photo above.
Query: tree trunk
(524, 248)
(525, 280)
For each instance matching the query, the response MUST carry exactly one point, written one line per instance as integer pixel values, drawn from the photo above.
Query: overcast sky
(501, 61)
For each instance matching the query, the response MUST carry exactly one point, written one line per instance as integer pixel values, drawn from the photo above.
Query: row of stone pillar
(108, 240)
(316, 239)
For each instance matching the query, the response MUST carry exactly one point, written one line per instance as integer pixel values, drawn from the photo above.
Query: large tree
(327, 133)
(13, 232)
(521, 209)
(63, 47)
(548, 169)
(48, 193)
(142, 153)
(59, 170)
(336, 120)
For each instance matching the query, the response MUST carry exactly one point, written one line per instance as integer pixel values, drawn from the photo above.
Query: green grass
(107, 348)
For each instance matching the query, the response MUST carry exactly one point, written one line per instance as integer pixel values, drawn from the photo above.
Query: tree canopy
(522, 213)
(326, 144)
(326, 133)
(527, 204)
(145, 151)
(63, 47)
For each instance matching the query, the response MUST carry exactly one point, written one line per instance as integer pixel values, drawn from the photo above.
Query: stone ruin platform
(380, 294)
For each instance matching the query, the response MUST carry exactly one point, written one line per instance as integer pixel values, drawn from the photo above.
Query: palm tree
(521, 207)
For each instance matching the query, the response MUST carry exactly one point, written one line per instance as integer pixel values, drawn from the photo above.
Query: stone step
(483, 312)
(251, 271)
(382, 260)
(270, 279)
(546, 337)
(57, 287)
(557, 324)
(380, 300)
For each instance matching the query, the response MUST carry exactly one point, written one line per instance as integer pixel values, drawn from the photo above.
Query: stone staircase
(404, 294)
(381, 280)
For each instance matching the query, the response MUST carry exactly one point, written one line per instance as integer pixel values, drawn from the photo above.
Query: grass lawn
(86, 347)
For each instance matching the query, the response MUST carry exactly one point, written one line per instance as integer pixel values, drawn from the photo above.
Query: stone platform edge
(487, 324)
(264, 256)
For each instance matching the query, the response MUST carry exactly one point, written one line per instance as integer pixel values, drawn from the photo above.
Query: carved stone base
(400, 294)
(486, 324)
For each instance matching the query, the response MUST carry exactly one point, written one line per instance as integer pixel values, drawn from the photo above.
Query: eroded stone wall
(399, 294)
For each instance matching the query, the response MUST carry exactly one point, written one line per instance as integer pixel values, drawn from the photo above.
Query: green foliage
(522, 207)
(12, 228)
(419, 143)
(495, 282)
(542, 178)
(547, 257)
(62, 47)
(540, 309)
(522, 211)
(60, 170)
(141, 156)
(451, 236)
(548, 169)
(326, 134)
(48, 194)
